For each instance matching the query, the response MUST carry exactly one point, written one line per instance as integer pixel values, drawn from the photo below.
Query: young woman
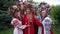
(16, 22)
(21, 8)
(30, 19)
(47, 22)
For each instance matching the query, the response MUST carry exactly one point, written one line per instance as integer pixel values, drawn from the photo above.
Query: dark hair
(42, 3)
(27, 7)
(41, 12)
(15, 10)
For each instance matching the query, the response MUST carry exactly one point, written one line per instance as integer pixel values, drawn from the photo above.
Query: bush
(4, 20)
(55, 14)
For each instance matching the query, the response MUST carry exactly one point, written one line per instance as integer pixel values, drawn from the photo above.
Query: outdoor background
(5, 19)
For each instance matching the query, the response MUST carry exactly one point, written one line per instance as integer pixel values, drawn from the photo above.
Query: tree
(4, 4)
(4, 18)
(55, 14)
(30, 1)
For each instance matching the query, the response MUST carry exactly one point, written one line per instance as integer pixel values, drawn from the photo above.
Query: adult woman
(47, 22)
(21, 8)
(30, 19)
(16, 21)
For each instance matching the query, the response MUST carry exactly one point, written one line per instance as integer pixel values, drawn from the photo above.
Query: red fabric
(51, 31)
(34, 20)
(15, 22)
(37, 21)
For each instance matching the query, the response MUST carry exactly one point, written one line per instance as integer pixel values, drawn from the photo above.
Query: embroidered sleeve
(15, 22)
(20, 26)
(48, 21)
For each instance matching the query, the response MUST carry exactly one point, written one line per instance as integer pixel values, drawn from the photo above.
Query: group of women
(24, 18)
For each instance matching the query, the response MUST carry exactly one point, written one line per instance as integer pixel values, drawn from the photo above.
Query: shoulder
(48, 19)
(14, 20)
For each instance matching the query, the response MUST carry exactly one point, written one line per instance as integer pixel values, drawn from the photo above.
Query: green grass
(10, 31)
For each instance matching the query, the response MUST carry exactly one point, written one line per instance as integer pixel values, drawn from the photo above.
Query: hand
(28, 25)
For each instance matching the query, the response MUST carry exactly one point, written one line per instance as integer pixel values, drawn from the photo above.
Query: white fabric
(39, 30)
(18, 29)
(47, 25)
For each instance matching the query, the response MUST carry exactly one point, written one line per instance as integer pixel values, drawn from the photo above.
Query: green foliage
(7, 31)
(10, 31)
(4, 4)
(5, 19)
(56, 30)
(55, 14)
(31, 1)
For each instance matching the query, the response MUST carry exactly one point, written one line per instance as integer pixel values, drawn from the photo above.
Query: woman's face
(16, 14)
(43, 14)
(27, 10)
(43, 6)
(22, 7)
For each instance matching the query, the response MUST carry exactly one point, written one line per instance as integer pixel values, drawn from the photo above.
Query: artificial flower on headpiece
(14, 6)
(12, 9)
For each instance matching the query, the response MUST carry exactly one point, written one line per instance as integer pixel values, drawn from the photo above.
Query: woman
(21, 8)
(47, 22)
(16, 21)
(30, 19)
